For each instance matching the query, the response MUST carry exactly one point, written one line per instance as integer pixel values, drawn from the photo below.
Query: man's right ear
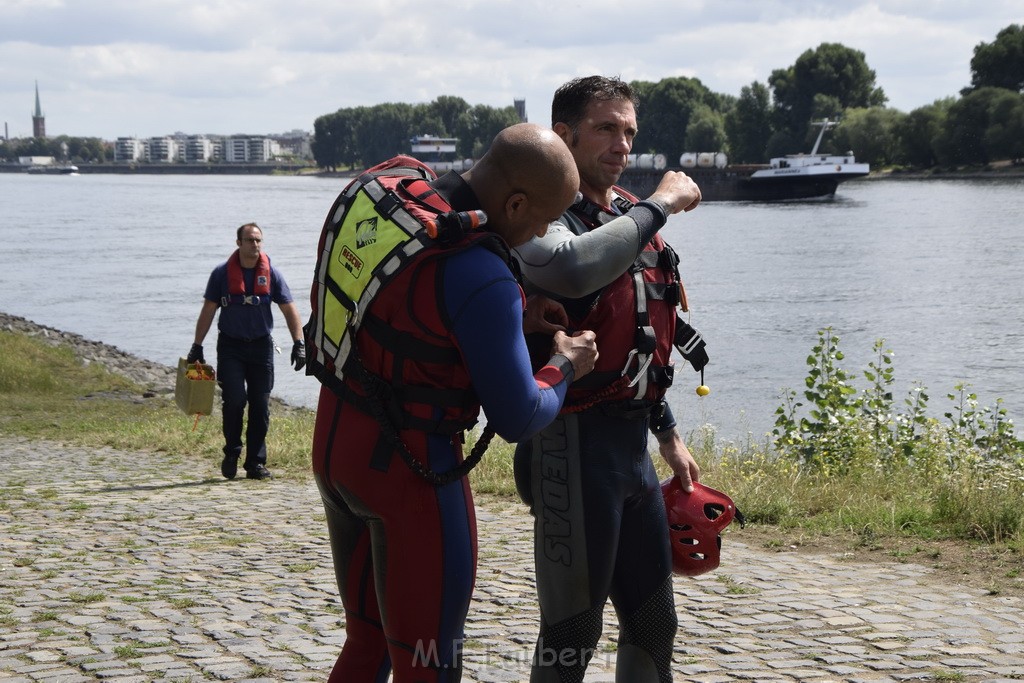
(515, 204)
(563, 131)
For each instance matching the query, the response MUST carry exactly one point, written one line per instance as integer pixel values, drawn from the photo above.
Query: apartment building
(162, 150)
(240, 149)
(199, 149)
(129, 149)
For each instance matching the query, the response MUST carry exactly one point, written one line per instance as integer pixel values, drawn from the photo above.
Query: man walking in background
(242, 289)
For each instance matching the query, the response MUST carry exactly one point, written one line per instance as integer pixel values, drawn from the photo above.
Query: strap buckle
(646, 363)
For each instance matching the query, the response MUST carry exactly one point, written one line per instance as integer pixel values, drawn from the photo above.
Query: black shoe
(229, 466)
(258, 472)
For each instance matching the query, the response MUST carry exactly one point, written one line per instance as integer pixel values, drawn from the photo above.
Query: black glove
(195, 354)
(299, 355)
(691, 345)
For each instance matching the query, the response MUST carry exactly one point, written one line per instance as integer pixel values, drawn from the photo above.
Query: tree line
(62, 147)
(356, 136)
(676, 115)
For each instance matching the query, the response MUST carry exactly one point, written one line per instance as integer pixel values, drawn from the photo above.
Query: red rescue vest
(236, 293)
(403, 352)
(634, 361)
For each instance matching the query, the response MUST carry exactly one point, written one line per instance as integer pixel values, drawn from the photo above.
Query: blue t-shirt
(246, 321)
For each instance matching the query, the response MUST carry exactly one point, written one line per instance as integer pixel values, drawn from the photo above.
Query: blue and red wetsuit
(405, 549)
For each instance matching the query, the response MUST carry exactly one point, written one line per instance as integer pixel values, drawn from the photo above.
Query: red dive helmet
(695, 522)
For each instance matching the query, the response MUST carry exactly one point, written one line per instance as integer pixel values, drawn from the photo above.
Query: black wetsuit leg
(600, 532)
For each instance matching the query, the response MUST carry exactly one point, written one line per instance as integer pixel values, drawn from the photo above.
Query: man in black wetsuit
(601, 530)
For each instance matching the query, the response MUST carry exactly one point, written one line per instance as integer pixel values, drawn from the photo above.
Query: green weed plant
(863, 460)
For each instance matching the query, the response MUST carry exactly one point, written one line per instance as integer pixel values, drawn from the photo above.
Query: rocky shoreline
(158, 379)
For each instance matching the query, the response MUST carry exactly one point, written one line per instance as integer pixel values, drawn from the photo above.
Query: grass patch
(48, 393)
(853, 471)
(732, 587)
(129, 651)
(182, 603)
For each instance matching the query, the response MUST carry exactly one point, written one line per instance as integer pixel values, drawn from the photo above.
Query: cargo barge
(794, 176)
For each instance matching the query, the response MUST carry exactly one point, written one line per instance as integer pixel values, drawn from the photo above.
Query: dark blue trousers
(245, 373)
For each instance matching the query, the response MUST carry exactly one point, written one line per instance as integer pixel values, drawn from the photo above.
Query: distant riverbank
(993, 171)
(184, 169)
(999, 170)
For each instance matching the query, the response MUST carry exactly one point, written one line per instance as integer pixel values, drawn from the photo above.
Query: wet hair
(569, 105)
(238, 233)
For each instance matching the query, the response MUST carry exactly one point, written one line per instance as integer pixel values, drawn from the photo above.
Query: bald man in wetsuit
(404, 547)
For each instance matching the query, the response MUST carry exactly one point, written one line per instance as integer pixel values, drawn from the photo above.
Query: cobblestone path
(124, 567)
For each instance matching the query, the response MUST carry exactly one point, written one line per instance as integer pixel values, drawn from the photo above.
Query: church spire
(38, 120)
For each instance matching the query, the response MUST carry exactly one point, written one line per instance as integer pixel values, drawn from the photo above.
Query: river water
(936, 268)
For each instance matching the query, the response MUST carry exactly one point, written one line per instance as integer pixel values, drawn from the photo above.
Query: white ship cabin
(438, 153)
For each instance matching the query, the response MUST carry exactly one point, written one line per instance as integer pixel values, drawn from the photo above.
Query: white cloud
(116, 67)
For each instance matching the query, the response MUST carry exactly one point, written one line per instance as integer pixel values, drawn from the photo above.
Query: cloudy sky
(108, 68)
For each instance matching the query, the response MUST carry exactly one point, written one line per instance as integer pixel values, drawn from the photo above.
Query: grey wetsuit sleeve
(569, 265)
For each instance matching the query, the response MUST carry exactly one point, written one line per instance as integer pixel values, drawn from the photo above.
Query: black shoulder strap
(595, 214)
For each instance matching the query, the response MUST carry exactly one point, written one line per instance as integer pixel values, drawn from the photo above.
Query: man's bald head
(527, 179)
(529, 155)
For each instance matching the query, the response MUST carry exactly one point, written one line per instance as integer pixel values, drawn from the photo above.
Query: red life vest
(236, 294)
(403, 352)
(405, 341)
(634, 361)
